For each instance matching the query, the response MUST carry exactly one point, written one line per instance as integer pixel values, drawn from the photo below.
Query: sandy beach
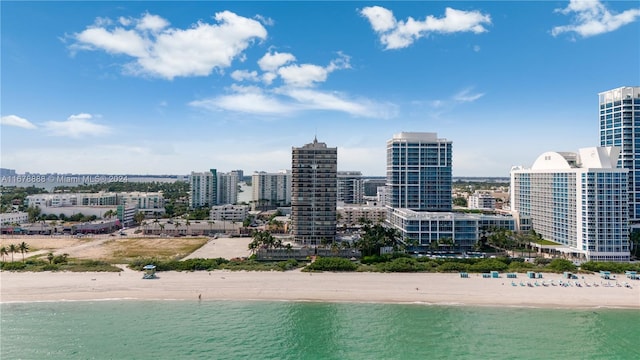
(292, 285)
(445, 289)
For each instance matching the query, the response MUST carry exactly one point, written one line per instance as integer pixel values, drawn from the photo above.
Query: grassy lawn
(546, 242)
(125, 250)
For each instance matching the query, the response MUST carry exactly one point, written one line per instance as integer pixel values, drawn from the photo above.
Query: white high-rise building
(271, 190)
(419, 198)
(228, 187)
(620, 126)
(419, 172)
(203, 189)
(578, 200)
(350, 189)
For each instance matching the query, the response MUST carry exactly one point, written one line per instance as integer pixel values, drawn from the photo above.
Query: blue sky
(167, 88)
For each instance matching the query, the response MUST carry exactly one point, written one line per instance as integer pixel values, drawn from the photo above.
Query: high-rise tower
(577, 200)
(203, 190)
(419, 172)
(314, 193)
(350, 187)
(620, 126)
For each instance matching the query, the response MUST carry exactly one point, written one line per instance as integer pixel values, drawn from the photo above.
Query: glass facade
(619, 111)
(419, 172)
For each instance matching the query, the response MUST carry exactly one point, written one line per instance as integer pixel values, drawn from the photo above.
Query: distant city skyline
(139, 88)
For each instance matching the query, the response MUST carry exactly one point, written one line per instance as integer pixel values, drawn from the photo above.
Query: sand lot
(105, 246)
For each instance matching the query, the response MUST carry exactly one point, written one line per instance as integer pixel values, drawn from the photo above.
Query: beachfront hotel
(578, 200)
(418, 194)
(620, 126)
(313, 193)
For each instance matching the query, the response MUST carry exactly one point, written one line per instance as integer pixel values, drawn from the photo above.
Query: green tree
(50, 257)
(23, 247)
(4, 252)
(139, 217)
(634, 243)
(187, 224)
(13, 249)
(376, 237)
(460, 201)
(561, 265)
(34, 213)
(109, 214)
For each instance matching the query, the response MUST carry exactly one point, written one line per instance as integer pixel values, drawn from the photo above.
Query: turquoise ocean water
(303, 330)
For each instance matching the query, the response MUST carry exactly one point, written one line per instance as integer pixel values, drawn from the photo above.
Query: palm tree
(23, 247)
(3, 252)
(289, 250)
(177, 225)
(161, 228)
(210, 222)
(187, 224)
(12, 249)
(50, 257)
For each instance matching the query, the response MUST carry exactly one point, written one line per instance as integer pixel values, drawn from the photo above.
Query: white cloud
(268, 77)
(246, 99)
(271, 62)
(592, 18)
(467, 96)
(14, 120)
(241, 75)
(76, 126)
(302, 75)
(439, 107)
(287, 101)
(381, 19)
(152, 23)
(309, 99)
(167, 52)
(118, 41)
(264, 20)
(396, 34)
(306, 75)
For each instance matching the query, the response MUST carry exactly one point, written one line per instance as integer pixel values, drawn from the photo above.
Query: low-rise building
(229, 212)
(18, 217)
(481, 200)
(429, 228)
(352, 214)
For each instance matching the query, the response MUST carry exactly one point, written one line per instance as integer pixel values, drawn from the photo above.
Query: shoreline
(429, 289)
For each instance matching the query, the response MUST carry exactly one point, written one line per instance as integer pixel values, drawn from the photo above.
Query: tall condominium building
(203, 189)
(313, 193)
(419, 172)
(578, 200)
(418, 195)
(228, 187)
(620, 126)
(350, 190)
(271, 190)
